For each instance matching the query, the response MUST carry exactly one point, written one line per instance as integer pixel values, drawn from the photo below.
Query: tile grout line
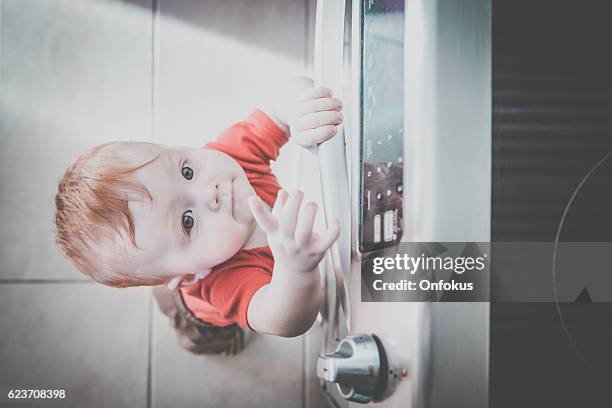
(43, 281)
(155, 16)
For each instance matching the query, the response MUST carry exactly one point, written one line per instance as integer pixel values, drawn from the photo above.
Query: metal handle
(358, 367)
(328, 65)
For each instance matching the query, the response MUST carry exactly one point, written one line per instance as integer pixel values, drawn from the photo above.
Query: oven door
(415, 79)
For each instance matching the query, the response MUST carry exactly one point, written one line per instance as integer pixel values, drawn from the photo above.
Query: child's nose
(210, 197)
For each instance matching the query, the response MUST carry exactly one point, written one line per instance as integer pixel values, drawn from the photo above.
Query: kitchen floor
(75, 73)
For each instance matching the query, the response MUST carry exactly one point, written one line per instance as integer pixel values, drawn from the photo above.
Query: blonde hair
(92, 217)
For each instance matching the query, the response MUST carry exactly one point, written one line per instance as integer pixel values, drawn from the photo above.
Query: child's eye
(187, 221)
(187, 171)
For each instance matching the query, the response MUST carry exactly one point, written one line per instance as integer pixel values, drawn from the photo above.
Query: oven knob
(358, 367)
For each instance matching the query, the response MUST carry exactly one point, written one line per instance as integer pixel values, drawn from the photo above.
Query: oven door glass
(381, 124)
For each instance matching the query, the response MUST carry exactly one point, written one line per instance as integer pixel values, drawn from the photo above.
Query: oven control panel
(382, 124)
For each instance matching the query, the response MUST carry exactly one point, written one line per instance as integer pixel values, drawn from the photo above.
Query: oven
(410, 164)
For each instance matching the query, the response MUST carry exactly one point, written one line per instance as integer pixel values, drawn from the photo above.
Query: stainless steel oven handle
(328, 67)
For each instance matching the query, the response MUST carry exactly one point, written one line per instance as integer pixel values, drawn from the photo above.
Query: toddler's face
(199, 216)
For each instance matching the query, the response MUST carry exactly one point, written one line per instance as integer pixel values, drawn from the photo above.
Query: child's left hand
(290, 232)
(313, 118)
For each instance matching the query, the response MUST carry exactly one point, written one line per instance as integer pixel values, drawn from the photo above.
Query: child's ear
(178, 280)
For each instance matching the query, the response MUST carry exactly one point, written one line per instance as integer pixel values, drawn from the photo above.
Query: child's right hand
(313, 118)
(291, 238)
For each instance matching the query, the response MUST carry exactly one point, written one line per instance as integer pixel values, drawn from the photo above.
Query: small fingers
(281, 199)
(328, 238)
(317, 119)
(288, 218)
(312, 137)
(319, 105)
(264, 219)
(315, 93)
(303, 232)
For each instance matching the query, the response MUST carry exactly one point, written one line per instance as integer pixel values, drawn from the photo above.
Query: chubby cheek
(243, 190)
(224, 242)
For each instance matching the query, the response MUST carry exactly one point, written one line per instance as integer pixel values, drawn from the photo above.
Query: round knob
(358, 367)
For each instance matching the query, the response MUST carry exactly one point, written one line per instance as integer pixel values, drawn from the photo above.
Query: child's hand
(313, 118)
(291, 238)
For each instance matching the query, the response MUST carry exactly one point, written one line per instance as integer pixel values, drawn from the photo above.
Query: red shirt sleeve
(253, 143)
(232, 292)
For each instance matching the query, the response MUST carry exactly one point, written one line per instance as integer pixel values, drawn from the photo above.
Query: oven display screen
(382, 124)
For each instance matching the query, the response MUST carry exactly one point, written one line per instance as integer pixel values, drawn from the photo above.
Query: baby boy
(231, 249)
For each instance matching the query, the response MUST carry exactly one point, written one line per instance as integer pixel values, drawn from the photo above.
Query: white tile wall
(85, 338)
